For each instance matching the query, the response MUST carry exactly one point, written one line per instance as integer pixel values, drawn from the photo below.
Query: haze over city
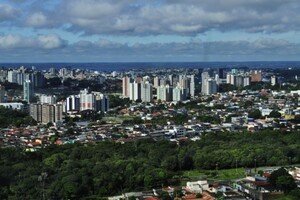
(139, 30)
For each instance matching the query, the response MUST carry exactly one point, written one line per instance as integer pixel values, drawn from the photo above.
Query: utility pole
(236, 165)
(255, 164)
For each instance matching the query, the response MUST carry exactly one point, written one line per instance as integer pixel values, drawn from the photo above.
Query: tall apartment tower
(125, 86)
(28, 91)
(165, 93)
(135, 91)
(73, 103)
(52, 113)
(179, 94)
(46, 113)
(50, 99)
(210, 86)
(87, 100)
(204, 77)
(274, 80)
(146, 92)
(156, 82)
(36, 111)
(192, 86)
(256, 76)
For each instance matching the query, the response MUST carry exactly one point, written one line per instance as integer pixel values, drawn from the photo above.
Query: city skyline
(131, 30)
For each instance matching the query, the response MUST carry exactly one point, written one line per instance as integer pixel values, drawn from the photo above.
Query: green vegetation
(9, 117)
(117, 101)
(107, 168)
(223, 174)
(282, 180)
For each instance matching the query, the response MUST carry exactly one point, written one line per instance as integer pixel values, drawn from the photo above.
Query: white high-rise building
(246, 81)
(156, 82)
(28, 91)
(204, 77)
(165, 93)
(179, 94)
(12, 76)
(73, 103)
(192, 86)
(210, 86)
(87, 100)
(49, 99)
(171, 79)
(135, 91)
(146, 92)
(273, 80)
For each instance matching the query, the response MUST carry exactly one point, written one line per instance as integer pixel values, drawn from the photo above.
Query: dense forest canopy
(108, 168)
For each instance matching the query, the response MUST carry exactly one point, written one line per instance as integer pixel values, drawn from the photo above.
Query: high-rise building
(156, 82)
(52, 71)
(3, 75)
(125, 86)
(204, 77)
(192, 86)
(49, 99)
(95, 101)
(58, 112)
(52, 113)
(102, 102)
(171, 79)
(12, 76)
(246, 81)
(256, 76)
(38, 79)
(273, 80)
(210, 86)
(221, 73)
(63, 72)
(46, 113)
(179, 94)
(36, 111)
(183, 81)
(146, 92)
(135, 91)
(21, 77)
(165, 93)
(73, 103)
(28, 91)
(87, 100)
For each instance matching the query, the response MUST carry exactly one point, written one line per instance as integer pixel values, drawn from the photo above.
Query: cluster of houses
(252, 186)
(230, 111)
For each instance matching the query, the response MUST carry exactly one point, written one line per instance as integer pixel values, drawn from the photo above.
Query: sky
(149, 30)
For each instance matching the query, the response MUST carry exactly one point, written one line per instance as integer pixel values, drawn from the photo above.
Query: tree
(286, 183)
(256, 114)
(275, 114)
(282, 180)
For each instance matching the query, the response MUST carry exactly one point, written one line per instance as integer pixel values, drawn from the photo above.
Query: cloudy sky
(149, 30)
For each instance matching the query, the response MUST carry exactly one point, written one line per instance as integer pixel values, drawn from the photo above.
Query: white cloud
(34, 48)
(37, 20)
(50, 41)
(41, 42)
(166, 17)
(7, 12)
(181, 17)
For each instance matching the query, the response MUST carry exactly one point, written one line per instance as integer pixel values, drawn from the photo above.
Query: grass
(224, 174)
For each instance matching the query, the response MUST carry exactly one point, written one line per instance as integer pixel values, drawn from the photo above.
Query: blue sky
(144, 30)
